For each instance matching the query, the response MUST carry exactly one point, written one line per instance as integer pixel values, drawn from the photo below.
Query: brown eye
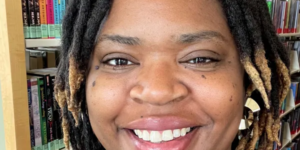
(201, 60)
(118, 62)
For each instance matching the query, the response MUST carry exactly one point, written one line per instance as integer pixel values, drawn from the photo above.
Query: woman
(169, 74)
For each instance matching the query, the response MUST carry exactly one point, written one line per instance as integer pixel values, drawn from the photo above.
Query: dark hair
(261, 53)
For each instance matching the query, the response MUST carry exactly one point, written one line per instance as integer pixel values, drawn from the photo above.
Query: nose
(158, 85)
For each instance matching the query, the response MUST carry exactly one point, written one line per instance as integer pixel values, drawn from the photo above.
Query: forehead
(157, 19)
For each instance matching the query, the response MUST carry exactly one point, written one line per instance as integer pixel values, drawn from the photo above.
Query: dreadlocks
(261, 53)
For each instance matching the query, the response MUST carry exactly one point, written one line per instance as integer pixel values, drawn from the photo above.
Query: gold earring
(254, 107)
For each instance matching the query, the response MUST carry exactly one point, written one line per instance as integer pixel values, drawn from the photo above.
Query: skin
(161, 81)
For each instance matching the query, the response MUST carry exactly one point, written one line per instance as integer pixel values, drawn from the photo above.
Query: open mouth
(172, 139)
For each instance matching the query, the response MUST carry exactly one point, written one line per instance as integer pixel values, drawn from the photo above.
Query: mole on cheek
(94, 83)
(97, 67)
(231, 98)
(203, 76)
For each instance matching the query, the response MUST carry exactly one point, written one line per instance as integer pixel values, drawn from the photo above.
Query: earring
(254, 107)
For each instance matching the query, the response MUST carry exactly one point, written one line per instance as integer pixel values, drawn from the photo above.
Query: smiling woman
(169, 75)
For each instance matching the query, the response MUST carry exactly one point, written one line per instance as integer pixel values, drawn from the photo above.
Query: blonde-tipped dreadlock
(75, 80)
(257, 81)
(264, 59)
(255, 137)
(265, 45)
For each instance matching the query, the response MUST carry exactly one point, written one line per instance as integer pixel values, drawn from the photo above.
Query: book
(50, 19)
(48, 103)
(294, 86)
(294, 28)
(25, 19)
(55, 124)
(270, 3)
(56, 18)
(285, 14)
(43, 114)
(32, 20)
(32, 140)
(43, 17)
(62, 9)
(37, 19)
(287, 17)
(36, 110)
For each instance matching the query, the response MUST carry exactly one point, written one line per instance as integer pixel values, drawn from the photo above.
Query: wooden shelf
(288, 34)
(42, 43)
(295, 135)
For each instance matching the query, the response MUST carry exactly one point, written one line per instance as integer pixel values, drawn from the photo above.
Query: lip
(180, 143)
(160, 123)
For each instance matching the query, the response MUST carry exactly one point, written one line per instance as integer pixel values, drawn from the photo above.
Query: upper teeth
(159, 136)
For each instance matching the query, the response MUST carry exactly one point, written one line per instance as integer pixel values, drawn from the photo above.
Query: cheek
(106, 98)
(105, 101)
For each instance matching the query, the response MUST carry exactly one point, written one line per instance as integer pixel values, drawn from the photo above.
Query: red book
(50, 19)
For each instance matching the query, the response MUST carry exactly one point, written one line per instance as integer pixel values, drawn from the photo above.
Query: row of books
(43, 18)
(293, 120)
(45, 121)
(38, 58)
(285, 14)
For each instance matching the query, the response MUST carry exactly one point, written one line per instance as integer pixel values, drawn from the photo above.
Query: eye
(118, 62)
(201, 60)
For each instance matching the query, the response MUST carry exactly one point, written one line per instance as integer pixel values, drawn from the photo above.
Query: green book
(270, 6)
(43, 114)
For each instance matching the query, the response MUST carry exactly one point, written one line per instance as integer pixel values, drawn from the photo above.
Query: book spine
(294, 30)
(297, 120)
(298, 129)
(30, 114)
(36, 109)
(43, 16)
(294, 86)
(56, 18)
(62, 8)
(269, 3)
(287, 17)
(282, 18)
(32, 20)
(50, 19)
(278, 14)
(37, 19)
(25, 19)
(43, 114)
(49, 108)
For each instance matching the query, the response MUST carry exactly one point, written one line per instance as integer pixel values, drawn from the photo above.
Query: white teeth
(146, 136)
(188, 129)
(155, 137)
(159, 136)
(167, 135)
(136, 132)
(139, 134)
(176, 133)
(183, 132)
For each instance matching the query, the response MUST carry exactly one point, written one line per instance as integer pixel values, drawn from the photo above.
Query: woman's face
(160, 69)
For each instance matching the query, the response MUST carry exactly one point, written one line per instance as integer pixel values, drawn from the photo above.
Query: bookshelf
(42, 43)
(13, 77)
(289, 34)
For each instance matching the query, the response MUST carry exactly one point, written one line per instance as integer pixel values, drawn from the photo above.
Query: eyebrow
(203, 35)
(121, 39)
